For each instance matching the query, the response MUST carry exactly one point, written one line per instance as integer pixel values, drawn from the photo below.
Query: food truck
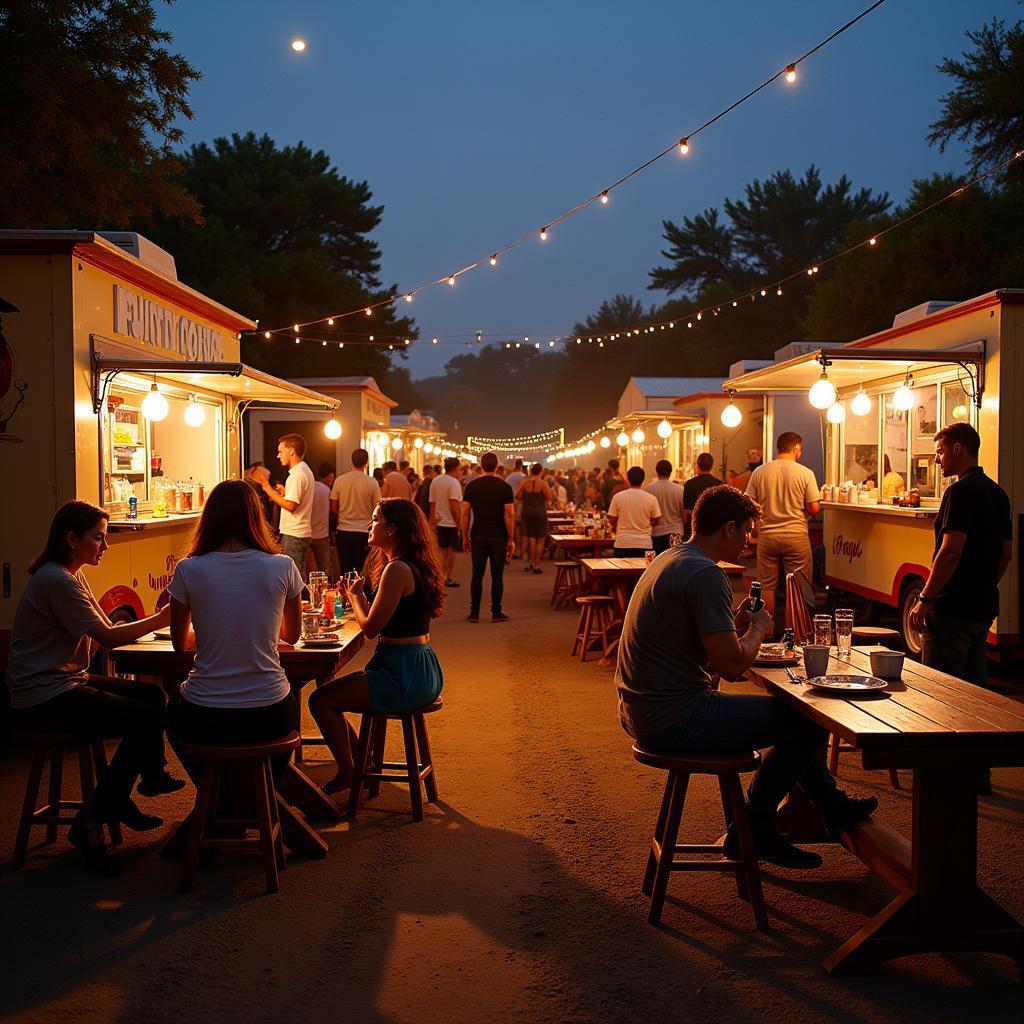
(882, 398)
(122, 387)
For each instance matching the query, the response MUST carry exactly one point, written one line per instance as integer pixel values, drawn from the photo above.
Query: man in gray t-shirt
(679, 628)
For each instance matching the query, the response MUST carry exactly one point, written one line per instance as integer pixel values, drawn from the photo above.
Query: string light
(606, 441)
(684, 146)
(266, 334)
(604, 198)
(451, 280)
(791, 73)
(493, 260)
(543, 234)
(623, 439)
(330, 321)
(664, 429)
(369, 312)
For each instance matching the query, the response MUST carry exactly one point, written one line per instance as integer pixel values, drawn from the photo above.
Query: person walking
(699, 483)
(535, 497)
(973, 548)
(320, 519)
(295, 500)
(633, 514)
(396, 484)
(354, 496)
(670, 501)
(787, 493)
(445, 511)
(491, 541)
(514, 480)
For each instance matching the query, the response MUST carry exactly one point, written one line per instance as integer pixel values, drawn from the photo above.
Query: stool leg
(266, 825)
(87, 778)
(749, 867)
(680, 781)
(378, 741)
(659, 837)
(28, 807)
(429, 778)
(359, 769)
(579, 633)
(54, 790)
(208, 780)
(894, 778)
(412, 768)
(99, 760)
(833, 754)
(275, 817)
(556, 589)
(588, 617)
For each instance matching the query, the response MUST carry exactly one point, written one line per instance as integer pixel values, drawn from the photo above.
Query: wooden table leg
(944, 910)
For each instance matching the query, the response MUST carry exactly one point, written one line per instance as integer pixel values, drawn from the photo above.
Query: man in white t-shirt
(320, 520)
(787, 493)
(295, 500)
(353, 498)
(633, 514)
(445, 510)
(670, 501)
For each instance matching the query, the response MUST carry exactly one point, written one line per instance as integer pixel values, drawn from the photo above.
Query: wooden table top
(927, 712)
(581, 540)
(635, 567)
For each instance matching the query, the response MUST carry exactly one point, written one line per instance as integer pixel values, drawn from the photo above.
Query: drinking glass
(844, 633)
(823, 630)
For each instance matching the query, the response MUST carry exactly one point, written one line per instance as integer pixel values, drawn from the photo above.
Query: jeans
(321, 547)
(482, 551)
(352, 549)
(108, 708)
(295, 548)
(956, 646)
(724, 723)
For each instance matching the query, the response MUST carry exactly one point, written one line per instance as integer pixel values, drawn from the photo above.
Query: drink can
(133, 507)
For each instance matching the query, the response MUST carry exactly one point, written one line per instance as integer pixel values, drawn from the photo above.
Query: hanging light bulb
(591, 446)
(451, 280)
(606, 441)
(664, 429)
(791, 73)
(543, 234)
(330, 321)
(822, 393)
(604, 198)
(418, 443)
(266, 334)
(332, 429)
(732, 415)
(195, 414)
(836, 413)
(638, 436)
(154, 405)
(428, 447)
(493, 260)
(903, 398)
(398, 444)
(623, 439)
(861, 404)
(684, 146)
(959, 412)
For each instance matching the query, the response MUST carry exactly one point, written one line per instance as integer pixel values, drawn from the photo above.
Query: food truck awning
(244, 383)
(850, 368)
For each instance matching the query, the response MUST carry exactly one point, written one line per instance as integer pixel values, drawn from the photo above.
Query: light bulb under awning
(861, 404)
(732, 415)
(622, 439)
(664, 429)
(822, 393)
(332, 430)
(154, 405)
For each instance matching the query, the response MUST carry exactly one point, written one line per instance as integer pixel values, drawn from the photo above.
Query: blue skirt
(403, 677)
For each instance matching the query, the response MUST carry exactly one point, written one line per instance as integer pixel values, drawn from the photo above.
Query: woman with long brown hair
(52, 689)
(233, 596)
(404, 673)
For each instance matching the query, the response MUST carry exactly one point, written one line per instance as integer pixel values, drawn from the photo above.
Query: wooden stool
(662, 860)
(92, 762)
(836, 746)
(416, 771)
(568, 580)
(205, 821)
(592, 628)
(879, 636)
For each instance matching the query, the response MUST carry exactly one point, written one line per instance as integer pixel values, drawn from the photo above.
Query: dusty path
(515, 900)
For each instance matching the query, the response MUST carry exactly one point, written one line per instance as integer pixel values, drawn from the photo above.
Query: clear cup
(844, 633)
(823, 630)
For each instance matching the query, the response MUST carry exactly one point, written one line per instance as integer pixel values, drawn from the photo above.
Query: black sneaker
(499, 617)
(472, 617)
(847, 811)
(771, 847)
(450, 584)
(160, 784)
(138, 821)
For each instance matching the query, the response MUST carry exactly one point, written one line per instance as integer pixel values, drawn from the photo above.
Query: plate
(787, 659)
(847, 684)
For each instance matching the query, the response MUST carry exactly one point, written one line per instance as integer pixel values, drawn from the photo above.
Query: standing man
(423, 490)
(973, 547)
(320, 520)
(787, 493)
(514, 479)
(670, 500)
(491, 502)
(396, 485)
(697, 485)
(633, 514)
(353, 498)
(295, 500)
(612, 483)
(445, 511)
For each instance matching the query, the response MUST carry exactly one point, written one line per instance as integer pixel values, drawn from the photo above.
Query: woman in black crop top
(403, 674)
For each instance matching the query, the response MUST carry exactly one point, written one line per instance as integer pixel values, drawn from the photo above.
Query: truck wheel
(908, 598)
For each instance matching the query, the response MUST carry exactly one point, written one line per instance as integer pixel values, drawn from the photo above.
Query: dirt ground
(517, 899)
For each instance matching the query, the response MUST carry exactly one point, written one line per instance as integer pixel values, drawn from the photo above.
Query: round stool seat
(879, 633)
(240, 751)
(701, 764)
(426, 709)
(567, 565)
(595, 599)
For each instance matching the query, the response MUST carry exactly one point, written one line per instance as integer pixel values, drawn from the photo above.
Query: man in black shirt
(973, 546)
(697, 485)
(492, 504)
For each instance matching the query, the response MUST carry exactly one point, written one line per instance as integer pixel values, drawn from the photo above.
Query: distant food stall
(132, 398)
(882, 399)
(722, 425)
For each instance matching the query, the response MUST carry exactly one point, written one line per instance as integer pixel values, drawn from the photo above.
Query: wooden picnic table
(152, 657)
(579, 545)
(944, 730)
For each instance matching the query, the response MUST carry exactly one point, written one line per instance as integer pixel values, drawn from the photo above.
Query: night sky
(475, 122)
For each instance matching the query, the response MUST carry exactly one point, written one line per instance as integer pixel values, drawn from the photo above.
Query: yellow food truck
(938, 364)
(121, 386)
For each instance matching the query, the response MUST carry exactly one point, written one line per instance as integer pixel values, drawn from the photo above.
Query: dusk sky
(475, 122)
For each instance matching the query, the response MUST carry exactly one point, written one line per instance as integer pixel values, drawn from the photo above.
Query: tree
(286, 240)
(986, 104)
(92, 98)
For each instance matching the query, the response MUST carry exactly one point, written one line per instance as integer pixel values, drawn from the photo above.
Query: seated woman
(232, 597)
(52, 689)
(404, 673)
